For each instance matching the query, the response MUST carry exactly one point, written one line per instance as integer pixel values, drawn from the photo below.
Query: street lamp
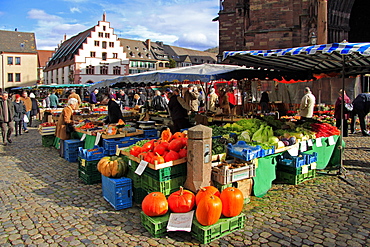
(313, 38)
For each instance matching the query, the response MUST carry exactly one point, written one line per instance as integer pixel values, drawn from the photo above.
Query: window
(160, 65)
(115, 55)
(17, 61)
(90, 70)
(107, 35)
(96, 43)
(104, 44)
(128, 47)
(10, 60)
(10, 77)
(104, 28)
(17, 77)
(116, 70)
(104, 70)
(92, 54)
(101, 35)
(104, 56)
(111, 44)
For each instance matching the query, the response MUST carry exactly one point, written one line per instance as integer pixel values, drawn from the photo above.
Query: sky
(183, 23)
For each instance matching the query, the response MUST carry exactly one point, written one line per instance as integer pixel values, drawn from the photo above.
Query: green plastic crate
(294, 179)
(291, 169)
(136, 179)
(138, 195)
(166, 187)
(87, 166)
(223, 227)
(89, 178)
(48, 140)
(221, 187)
(156, 226)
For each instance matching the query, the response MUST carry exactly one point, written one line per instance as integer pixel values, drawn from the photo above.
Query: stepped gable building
(187, 57)
(93, 55)
(18, 59)
(43, 57)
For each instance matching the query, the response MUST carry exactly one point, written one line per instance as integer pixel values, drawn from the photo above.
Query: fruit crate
(110, 145)
(294, 179)
(87, 166)
(243, 151)
(156, 226)
(49, 130)
(223, 227)
(138, 195)
(89, 178)
(48, 140)
(224, 175)
(92, 154)
(161, 175)
(294, 170)
(117, 191)
(149, 184)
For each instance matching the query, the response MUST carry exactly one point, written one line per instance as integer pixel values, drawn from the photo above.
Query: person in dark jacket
(6, 118)
(264, 102)
(337, 112)
(19, 111)
(35, 107)
(114, 111)
(361, 107)
(93, 100)
(158, 102)
(179, 111)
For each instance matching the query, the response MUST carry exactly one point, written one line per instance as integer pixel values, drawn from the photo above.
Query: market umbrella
(349, 59)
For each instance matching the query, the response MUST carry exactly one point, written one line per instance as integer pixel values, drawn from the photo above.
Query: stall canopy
(203, 73)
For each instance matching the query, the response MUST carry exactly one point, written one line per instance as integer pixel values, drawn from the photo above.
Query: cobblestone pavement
(43, 203)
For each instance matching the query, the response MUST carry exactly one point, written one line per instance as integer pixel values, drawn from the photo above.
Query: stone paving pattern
(43, 203)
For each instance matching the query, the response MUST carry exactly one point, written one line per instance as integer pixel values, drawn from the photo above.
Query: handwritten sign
(180, 221)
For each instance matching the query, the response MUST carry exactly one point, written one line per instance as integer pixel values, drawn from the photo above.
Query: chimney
(148, 44)
(104, 16)
(65, 37)
(16, 29)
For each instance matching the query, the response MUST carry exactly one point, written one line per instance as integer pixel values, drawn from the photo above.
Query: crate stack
(70, 151)
(110, 145)
(48, 140)
(87, 164)
(117, 191)
(165, 180)
(296, 169)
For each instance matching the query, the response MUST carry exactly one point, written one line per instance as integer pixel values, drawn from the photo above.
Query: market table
(327, 155)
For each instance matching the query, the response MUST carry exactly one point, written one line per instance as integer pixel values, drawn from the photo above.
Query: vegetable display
(181, 201)
(112, 167)
(155, 204)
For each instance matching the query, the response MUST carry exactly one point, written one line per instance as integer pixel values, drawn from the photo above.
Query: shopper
(137, 101)
(28, 104)
(361, 107)
(6, 118)
(264, 102)
(191, 98)
(232, 101)
(114, 111)
(46, 101)
(178, 111)
(93, 100)
(54, 100)
(307, 104)
(337, 112)
(123, 99)
(159, 102)
(34, 109)
(213, 100)
(19, 111)
(76, 96)
(224, 102)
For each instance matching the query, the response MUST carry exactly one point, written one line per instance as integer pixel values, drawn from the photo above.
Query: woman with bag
(19, 113)
(337, 112)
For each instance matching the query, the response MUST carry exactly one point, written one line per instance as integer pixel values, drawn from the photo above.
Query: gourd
(181, 201)
(154, 204)
(232, 201)
(204, 191)
(166, 135)
(112, 167)
(209, 210)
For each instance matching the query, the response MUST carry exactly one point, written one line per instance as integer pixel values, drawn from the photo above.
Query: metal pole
(2, 74)
(341, 168)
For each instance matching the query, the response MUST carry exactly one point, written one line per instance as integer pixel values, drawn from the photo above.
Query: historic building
(43, 57)
(92, 55)
(18, 59)
(187, 57)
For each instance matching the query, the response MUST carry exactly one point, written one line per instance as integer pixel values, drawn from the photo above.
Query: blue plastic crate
(71, 156)
(95, 153)
(293, 161)
(244, 151)
(150, 133)
(117, 191)
(72, 145)
(269, 151)
(310, 158)
(110, 145)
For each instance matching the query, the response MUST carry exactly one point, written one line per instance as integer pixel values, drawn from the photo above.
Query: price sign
(141, 167)
(318, 142)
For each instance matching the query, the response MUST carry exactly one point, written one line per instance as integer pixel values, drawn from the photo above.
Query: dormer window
(128, 47)
(136, 48)
(132, 54)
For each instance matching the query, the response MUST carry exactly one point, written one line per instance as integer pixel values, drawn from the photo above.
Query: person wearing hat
(6, 118)
(191, 98)
(35, 107)
(28, 104)
(307, 104)
(19, 111)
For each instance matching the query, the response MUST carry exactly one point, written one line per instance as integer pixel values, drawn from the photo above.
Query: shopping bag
(25, 119)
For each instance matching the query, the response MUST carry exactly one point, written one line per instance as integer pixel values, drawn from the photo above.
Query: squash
(166, 135)
(112, 167)
(232, 202)
(209, 210)
(154, 204)
(176, 145)
(204, 191)
(157, 159)
(181, 201)
(178, 135)
(171, 155)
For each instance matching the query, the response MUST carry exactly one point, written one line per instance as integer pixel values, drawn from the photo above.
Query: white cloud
(39, 14)
(74, 10)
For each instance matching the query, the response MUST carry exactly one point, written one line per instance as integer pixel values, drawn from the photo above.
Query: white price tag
(303, 145)
(129, 162)
(180, 221)
(309, 143)
(318, 142)
(304, 169)
(331, 140)
(117, 150)
(313, 166)
(141, 167)
(293, 151)
(97, 139)
(83, 137)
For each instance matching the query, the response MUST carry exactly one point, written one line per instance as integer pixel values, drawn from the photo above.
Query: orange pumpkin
(178, 135)
(154, 204)
(205, 191)
(166, 135)
(209, 210)
(232, 202)
(181, 201)
(157, 159)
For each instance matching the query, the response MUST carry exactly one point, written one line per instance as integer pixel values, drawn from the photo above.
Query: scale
(146, 124)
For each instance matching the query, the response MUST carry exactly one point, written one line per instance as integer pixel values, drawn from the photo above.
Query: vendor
(114, 111)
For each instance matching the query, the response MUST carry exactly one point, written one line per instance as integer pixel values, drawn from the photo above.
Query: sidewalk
(43, 203)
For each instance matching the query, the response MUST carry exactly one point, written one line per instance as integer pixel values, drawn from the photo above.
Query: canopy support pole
(342, 170)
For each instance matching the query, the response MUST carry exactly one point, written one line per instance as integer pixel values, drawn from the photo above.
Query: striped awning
(315, 59)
